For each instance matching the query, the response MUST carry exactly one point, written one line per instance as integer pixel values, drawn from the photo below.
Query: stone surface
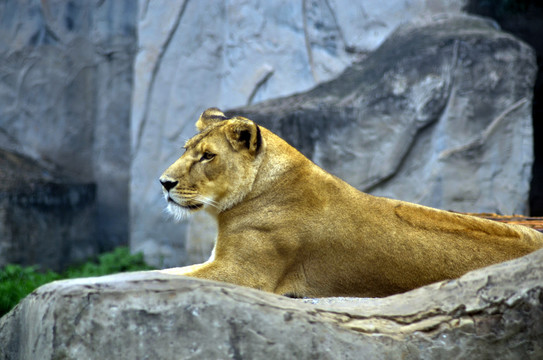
(496, 312)
(65, 90)
(46, 219)
(196, 54)
(523, 19)
(438, 115)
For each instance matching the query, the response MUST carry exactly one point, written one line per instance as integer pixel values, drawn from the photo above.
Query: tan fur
(288, 227)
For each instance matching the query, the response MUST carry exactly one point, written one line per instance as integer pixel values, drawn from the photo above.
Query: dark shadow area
(524, 19)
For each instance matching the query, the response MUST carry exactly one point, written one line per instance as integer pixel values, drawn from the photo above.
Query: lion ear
(244, 135)
(208, 117)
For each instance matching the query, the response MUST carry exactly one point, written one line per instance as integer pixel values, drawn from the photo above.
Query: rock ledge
(490, 313)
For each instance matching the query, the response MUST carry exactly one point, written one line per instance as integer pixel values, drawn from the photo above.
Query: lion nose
(168, 184)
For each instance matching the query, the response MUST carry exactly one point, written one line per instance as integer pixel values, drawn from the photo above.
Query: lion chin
(287, 226)
(181, 211)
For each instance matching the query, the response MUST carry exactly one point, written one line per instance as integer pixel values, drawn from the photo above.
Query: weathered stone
(523, 20)
(438, 115)
(46, 219)
(496, 312)
(197, 54)
(65, 90)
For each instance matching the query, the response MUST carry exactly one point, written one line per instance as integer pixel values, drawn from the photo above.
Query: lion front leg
(227, 272)
(184, 270)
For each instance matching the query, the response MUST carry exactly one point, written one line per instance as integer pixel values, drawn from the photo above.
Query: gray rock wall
(491, 313)
(65, 90)
(46, 219)
(439, 115)
(193, 55)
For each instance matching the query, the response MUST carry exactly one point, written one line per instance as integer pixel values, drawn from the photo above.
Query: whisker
(186, 193)
(207, 201)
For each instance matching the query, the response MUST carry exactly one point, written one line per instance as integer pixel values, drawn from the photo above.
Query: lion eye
(207, 156)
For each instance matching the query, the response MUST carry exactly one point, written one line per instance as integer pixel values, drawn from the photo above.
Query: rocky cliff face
(194, 55)
(46, 219)
(438, 115)
(65, 90)
(492, 313)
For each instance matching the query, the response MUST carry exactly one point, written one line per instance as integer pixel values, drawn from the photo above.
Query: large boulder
(438, 115)
(490, 313)
(46, 218)
(65, 90)
(197, 54)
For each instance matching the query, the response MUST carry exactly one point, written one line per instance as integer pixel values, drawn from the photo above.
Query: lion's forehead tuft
(196, 139)
(192, 142)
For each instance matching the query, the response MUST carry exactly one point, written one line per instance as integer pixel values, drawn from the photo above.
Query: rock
(46, 219)
(495, 312)
(65, 90)
(246, 52)
(437, 115)
(523, 19)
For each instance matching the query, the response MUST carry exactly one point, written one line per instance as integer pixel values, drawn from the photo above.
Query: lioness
(287, 226)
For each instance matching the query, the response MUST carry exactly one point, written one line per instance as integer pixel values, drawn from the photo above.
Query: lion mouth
(192, 206)
(187, 206)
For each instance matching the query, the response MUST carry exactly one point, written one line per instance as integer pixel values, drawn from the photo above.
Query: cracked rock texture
(196, 54)
(439, 115)
(491, 313)
(46, 219)
(65, 90)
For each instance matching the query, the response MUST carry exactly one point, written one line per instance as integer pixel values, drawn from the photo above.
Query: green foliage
(17, 281)
(119, 260)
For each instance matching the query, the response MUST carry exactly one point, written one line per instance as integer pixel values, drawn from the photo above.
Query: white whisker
(207, 201)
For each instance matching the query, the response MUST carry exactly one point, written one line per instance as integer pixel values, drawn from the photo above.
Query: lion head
(218, 167)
